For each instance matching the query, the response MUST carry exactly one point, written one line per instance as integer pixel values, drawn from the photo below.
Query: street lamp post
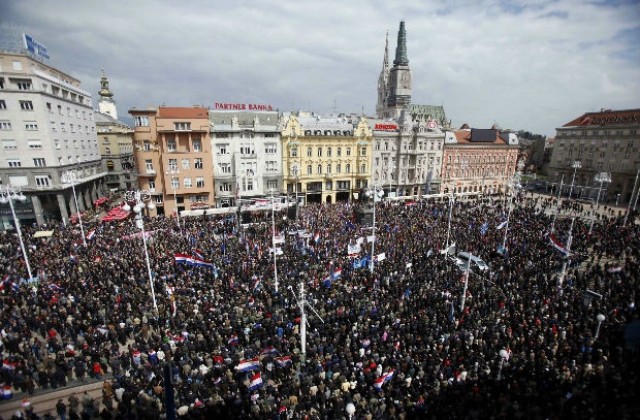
(633, 190)
(70, 177)
(296, 173)
(7, 195)
(575, 165)
(141, 197)
(599, 318)
(515, 184)
(600, 177)
(374, 193)
(273, 241)
(452, 200)
(173, 170)
(568, 247)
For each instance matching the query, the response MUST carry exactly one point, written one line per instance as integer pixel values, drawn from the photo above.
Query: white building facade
(46, 128)
(246, 152)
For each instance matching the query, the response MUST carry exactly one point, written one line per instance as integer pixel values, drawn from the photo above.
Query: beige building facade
(605, 141)
(173, 156)
(325, 159)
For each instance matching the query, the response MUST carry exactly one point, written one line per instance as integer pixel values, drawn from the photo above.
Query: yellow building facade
(326, 159)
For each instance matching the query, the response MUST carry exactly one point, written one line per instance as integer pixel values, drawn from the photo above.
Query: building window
(197, 145)
(171, 145)
(23, 84)
(175, 182)
(182, 126)
(293, 152)
(319, 169)
(39, 162)
(270, 148)
(363, 151)
(338, 168)
(200, 182)
(225, 168)
(3, 104)
(139, 121)
(42, 180)
(348, 168)
(146, 146)
(222, 149)
(225, 187)
(363, 168)
(246, 149)
(319, 151)
(250, 185)
(34, 144)
(272, 184)
(5, 125)
(328, 168)
(198, 198)
(309, 152)
(339, 151)
(9, 144)
(148, 163)
(348, 151)
(14, 163)
(31, 126)
(152, 185)
(197, 163)
(186, 163)
(309, 170)
(173, 164)
(329, 152)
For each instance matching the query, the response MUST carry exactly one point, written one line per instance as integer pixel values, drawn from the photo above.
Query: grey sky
(523, 64)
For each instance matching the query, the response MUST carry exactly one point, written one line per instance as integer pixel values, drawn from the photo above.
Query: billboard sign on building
(35, 48)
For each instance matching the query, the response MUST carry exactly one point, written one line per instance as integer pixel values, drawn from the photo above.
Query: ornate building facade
(246, 153)
(478, 160)
(326, 159)
(605, 141)
(173, 156)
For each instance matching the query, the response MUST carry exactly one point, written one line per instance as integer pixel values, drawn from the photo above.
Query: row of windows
(586, 133)
(187, 183)
(17, 163)
(186, 163)
(196, 145)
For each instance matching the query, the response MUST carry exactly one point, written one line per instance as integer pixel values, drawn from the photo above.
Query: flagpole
(564, 264)
(273, 240)
(626, 216)
(452, 200)
(466, 283)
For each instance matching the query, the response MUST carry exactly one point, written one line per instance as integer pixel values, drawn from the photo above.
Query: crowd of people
(390, 339)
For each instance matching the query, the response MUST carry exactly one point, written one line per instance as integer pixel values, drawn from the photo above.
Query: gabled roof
(606, 117)
(182, 112)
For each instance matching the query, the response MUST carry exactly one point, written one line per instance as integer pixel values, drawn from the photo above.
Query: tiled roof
(182, 112)
(606, 117)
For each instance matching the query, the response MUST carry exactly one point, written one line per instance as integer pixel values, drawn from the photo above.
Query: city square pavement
(546, 332)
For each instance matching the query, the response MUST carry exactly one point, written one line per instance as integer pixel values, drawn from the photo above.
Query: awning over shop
(100, 201)
(116, 213)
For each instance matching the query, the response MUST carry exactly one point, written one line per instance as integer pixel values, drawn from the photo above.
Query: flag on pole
(248, 365)
(383, 379)
(198, 253)
(256, 382)
(557, 245)
(501, 225)
(256, 285)
(284, 361)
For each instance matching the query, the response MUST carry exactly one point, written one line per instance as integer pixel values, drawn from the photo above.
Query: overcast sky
(522, 64)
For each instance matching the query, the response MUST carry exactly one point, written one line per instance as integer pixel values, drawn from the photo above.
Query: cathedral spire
(104, 86)
(106, 103)
(385, 60)
(401, 48)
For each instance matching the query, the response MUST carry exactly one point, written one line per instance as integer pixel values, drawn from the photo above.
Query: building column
(62, 205)
(72, 204)
(86, 198)
(37, 209)
(94, 192)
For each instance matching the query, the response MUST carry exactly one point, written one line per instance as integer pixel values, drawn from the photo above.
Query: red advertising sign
(386, 127)
(242, 107)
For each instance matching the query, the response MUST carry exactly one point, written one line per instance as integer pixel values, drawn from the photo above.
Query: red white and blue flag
(191, 260)
(284, 361)
(256, 381)
(198, 254)
(248, 365)
(557, 245)
(336, 274)
(383, 379)
(91, 234)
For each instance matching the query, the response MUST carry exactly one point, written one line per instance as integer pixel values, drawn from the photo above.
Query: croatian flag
(233, 341)
(248, 365)
(198, 262)
(336, 274)
(386, 377)
(284, 361)
(181, 258)
(256, 285)
(557, 245)
(198, 254)
(7, 392)
(256, 382)
(91, 235)
(269, 351)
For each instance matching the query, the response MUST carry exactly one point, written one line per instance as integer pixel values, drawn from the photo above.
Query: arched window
(309, 170)
(348, 168)
(319, 169)
(329, 168)
(338, 168)
(309, 152)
